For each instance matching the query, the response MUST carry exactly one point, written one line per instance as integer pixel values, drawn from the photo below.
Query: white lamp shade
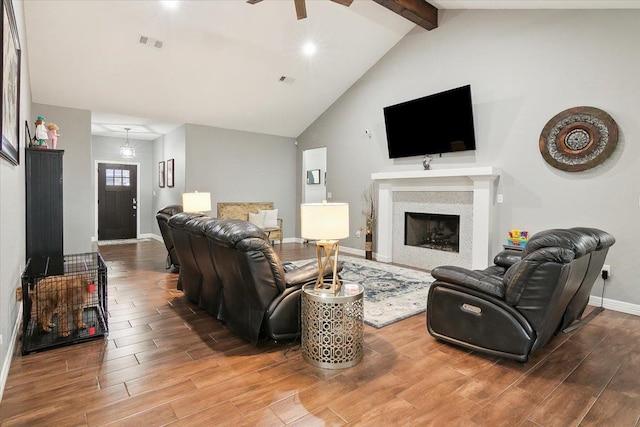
(196, 202)
(324, 221)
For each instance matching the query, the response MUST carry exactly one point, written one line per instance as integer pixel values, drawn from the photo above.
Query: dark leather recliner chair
(572, 318)
(163, 216)
(580, 300)
(512, 309)
(259, 298)
(190, 278)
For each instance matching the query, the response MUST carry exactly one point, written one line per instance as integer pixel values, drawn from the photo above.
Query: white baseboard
(140, 236)
(151, 236)
(623, 307)
(6, 365)
(353, 251)
(343, 249)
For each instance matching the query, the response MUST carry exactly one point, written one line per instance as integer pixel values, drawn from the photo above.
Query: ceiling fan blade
(342, 2)
(253, 1)
(301, 9)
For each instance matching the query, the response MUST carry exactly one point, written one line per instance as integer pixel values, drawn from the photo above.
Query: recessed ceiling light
(309, 49)
(170, 4)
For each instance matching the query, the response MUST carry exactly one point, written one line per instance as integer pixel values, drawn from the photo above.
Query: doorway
(314, 174)
(117, 191)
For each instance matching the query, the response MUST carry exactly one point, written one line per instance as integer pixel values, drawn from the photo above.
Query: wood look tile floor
(166, 362)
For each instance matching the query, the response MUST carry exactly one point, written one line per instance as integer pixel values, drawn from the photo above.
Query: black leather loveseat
(190, 278)
(516, 306)
(229, 268)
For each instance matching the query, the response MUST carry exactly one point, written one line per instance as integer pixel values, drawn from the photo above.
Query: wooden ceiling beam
(301, 9)
(420, 12)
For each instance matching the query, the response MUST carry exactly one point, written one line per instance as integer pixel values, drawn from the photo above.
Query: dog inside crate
(58, 303)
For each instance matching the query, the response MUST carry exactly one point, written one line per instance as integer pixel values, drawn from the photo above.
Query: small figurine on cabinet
(41, 133)
(53, 134)
(518, 237)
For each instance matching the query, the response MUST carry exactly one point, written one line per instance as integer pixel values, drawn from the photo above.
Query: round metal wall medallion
(578, 139)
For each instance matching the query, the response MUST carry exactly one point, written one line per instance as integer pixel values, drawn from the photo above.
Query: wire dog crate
(64, 301)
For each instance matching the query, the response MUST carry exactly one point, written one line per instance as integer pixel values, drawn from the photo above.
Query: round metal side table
(332, 327)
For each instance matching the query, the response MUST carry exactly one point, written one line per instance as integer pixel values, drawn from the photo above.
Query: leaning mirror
(313, 176)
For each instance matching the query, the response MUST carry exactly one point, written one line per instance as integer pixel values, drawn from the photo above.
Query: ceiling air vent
(285, 79)
(148, 41)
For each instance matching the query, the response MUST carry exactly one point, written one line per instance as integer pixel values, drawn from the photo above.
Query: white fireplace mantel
(479, 179)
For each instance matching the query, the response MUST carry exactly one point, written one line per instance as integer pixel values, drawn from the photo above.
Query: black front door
(117, 201)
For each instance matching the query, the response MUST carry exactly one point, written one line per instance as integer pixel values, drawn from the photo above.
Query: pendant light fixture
(126, 151)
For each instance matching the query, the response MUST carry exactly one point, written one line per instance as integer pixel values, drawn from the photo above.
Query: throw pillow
(257, 219)
(270, 218)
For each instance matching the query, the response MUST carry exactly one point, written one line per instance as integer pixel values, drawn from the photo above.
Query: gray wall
(524, 67)
(169, 146)
(240, 166)
(12, 215)
(75, 140)
(108, 149)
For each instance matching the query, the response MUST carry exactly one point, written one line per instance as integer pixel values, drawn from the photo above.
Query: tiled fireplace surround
(468, 192)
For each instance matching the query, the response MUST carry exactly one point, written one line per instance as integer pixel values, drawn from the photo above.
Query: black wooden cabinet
(44, 202)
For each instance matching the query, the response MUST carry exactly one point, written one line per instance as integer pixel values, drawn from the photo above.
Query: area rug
(120, 242)
(390, 293)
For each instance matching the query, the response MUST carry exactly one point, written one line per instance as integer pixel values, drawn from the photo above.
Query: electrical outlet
(607, 268)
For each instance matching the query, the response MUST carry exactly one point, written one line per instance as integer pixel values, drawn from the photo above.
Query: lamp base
(327, 252)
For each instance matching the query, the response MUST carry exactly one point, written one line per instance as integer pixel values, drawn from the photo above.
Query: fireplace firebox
(432, 231)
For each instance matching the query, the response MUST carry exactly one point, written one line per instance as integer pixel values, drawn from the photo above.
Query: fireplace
(432, 231)
(432, 228)
(466, 191)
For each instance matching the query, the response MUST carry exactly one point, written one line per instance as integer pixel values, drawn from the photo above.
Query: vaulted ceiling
(226, 63)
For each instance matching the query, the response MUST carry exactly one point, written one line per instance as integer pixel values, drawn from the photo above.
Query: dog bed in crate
(64, 301)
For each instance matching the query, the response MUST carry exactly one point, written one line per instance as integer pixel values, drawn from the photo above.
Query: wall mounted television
(435, 124)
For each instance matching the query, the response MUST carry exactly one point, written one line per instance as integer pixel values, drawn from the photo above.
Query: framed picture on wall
(10, 142)
(170, 173)
(161, 174)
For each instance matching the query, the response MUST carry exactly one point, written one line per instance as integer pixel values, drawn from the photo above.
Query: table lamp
(326, 223)
(196, 202)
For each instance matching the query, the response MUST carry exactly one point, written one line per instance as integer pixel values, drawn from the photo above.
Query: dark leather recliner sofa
(190, 278)
(162, 217)
(516, 306)
(229, 268)
(209, 290)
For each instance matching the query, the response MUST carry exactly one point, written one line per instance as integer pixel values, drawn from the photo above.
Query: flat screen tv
(434, 124)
